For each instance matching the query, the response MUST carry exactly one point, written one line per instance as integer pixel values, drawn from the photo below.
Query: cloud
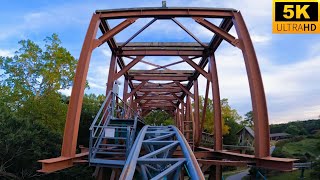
(6, 53)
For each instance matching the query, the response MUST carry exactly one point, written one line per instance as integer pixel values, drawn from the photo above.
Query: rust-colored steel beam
(196, 67)
(133, 91)
(151, 64)
(225, 162)
(187, 31)
(204, 109)
(196, 113)
(59, 163)
(127, 67)
(164, 78)
(215, 29)
(160, 52)
(165, 66)
(160, 98)
(138, 32)
(70, 136)
(184, 89)
(173, 90)
(258, 98)
(216, 104)
(167, 13)
(112, 32)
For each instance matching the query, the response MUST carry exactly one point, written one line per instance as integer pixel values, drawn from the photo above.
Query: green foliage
(90, 107)
(305, 127)
(33, 71)
(305, 149)
(22, 143)
(248, 119)
(159, 117)
(229, 116)
(316, 169)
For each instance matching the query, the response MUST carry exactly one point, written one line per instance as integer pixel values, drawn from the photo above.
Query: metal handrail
(99, 112)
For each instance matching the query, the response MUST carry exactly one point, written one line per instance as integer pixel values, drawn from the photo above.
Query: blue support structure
(151, 156)
(114, 143)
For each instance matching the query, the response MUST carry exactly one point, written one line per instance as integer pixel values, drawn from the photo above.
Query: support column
(204, 110)
(112, 71)
(216, 104)
(70, 136)
(125, 89)
(196, 127)
(258, 99)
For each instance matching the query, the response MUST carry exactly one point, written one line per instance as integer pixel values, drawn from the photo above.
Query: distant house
(246, 136)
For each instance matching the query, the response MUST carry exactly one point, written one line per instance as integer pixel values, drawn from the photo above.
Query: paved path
(238, 176)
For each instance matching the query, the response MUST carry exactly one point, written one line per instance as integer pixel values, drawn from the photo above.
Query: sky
(290, 64)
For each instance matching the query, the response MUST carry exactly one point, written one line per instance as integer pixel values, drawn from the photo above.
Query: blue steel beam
(151, 155)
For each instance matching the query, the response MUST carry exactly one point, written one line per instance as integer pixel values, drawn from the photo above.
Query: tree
(228, 115)
(159, 117)
(33, 71)
(248, 119)
(32, 79)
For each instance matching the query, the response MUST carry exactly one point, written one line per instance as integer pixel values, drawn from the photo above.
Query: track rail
(151, 155)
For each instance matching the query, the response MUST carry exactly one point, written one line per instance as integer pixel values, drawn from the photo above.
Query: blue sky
(290, 64)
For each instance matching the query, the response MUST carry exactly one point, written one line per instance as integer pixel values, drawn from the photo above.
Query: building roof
(251, 132)
(248, 129)
(279, 135)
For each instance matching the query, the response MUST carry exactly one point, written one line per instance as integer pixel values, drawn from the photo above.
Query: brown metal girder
(164, 45)
(152, 64)
(171, 64)
(168, 12)
(258, 98)
(160, 52)
(138, 32)
(161, 72)
(160, 90)
(184, 89)
(59, 163)
(142, 97)
(137, 88)
(112, 32)
(187, 31)
(215, 29)
(158, 78)
(224, 162)
(282, 164)
(215, 42)
(127, 67)
(159, 98)
(75, 105)
(178, 98)
(196, 67)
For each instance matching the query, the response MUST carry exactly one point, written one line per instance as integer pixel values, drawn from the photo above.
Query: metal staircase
(119, 139)
(112, 133)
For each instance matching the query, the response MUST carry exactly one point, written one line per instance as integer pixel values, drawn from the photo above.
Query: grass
(230, 173)
(302, 147)
(291, 175)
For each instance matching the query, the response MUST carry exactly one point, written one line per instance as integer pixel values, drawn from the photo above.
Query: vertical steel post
(216, 104)
(196, 135)
(258, 99)
(70, 136)
(204, 109)
(112, 71)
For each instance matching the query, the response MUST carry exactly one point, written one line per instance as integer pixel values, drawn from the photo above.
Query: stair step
(113, 145)
(106, 162)
(114, 153)
(124, 138)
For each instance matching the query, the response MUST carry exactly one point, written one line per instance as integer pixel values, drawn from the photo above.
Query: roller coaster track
(152, 155)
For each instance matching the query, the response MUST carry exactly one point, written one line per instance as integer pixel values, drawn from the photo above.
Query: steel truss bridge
(121, 145)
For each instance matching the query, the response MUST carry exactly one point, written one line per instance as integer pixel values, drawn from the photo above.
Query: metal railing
(101, 131)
